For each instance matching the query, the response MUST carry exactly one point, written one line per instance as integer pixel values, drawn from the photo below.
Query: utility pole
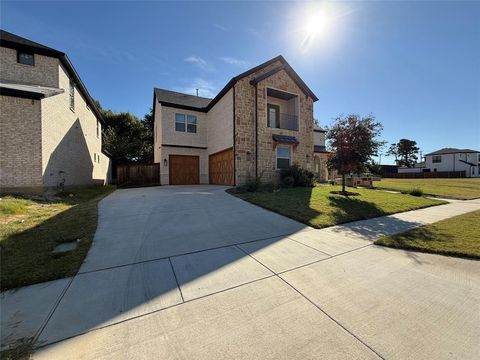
(197, 91)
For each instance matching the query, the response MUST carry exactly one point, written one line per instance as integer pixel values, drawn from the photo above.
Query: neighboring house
(50, 128)
(260, 122)
(451, 159)
(320, 154)
(417, 168)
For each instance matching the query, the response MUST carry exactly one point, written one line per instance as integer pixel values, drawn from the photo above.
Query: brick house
(50, 127)
(320, 154)
(260, 122)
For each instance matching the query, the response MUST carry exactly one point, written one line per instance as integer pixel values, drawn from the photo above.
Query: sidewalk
(33, 311)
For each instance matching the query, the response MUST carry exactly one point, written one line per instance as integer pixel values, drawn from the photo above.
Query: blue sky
(414, 65)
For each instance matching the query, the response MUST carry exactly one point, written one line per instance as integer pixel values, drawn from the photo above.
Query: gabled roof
(319, 129)
(176, 99)
(445, 151)
(16, 42)
(205, 108)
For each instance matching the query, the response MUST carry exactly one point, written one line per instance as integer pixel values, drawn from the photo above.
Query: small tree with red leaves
(353, 141)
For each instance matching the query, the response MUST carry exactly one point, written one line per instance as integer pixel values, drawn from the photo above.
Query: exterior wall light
(165, 162)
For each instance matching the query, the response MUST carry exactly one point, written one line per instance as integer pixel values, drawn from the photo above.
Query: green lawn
(464, 189)
(30, 230)
(319, 208)
(458, 236)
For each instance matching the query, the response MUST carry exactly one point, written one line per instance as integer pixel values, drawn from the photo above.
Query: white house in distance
(452, 159)
(449, 159)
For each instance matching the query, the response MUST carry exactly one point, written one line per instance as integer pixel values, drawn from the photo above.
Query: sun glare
(315, 24)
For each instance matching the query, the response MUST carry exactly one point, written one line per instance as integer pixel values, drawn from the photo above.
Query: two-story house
(260, 122)
(452, 159)
(50, 127)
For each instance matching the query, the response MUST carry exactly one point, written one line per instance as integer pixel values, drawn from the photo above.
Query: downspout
(256, 130)
(234, 139)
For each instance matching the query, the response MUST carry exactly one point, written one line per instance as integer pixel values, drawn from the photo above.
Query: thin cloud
(218, 26)
(201, 63)
(234, 61)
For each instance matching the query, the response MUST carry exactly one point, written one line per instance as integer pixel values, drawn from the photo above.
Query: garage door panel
(220, 168)
(184, 170)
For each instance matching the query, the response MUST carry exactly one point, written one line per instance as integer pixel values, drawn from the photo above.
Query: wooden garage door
(220, 167)
(184, 170)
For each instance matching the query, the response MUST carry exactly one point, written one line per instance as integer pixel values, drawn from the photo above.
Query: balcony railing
(284, 121)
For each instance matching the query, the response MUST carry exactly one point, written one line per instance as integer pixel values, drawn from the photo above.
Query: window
(72, 94)
(273, 120)
(186, 123)
(25, 58)
(191, 124)
(180, 122)
(283, 157)
(437, 159)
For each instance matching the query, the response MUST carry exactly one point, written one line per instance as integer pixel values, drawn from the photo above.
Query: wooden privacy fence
(138, 174)
(426, 175)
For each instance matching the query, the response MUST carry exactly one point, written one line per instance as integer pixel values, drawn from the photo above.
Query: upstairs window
(72, 94)
(191, 124)
(185, 123)
(25, 58)
(180, 122)
(437, 159)
(283, 157)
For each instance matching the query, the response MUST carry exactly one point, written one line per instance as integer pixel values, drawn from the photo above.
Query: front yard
(449, 188)
(31, 229)
(458, 236)
(319, 208)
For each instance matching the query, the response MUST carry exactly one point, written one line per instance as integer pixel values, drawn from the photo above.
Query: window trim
(281, 157)
(186, 123)
(277, 117)
(28, 53)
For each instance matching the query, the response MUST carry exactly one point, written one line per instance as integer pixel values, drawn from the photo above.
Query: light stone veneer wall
(71, 149)
(302, 154)
(44, 73)
(20, 145)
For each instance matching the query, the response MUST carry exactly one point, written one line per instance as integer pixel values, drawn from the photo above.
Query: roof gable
(188, 102)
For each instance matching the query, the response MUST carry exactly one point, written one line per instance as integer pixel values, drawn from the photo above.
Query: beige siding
(157, 139)
(220, 124)
(319, 138)
(71, 149)
(20, 144)
(45, 71)
(170, 136)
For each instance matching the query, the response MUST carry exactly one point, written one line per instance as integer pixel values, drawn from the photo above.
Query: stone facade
(245, 132)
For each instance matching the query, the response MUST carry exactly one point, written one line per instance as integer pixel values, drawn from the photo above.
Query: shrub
(416, 192)
(301, 177)
(253, 184)
(288, 181)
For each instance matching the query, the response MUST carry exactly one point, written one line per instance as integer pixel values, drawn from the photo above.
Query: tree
(127, 138)
(353, 141)
(405, 152)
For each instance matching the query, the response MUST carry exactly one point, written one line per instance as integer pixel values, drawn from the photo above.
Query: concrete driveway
(192, 272)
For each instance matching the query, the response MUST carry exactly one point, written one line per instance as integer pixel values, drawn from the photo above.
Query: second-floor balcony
(282, 110)
(284, 121)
